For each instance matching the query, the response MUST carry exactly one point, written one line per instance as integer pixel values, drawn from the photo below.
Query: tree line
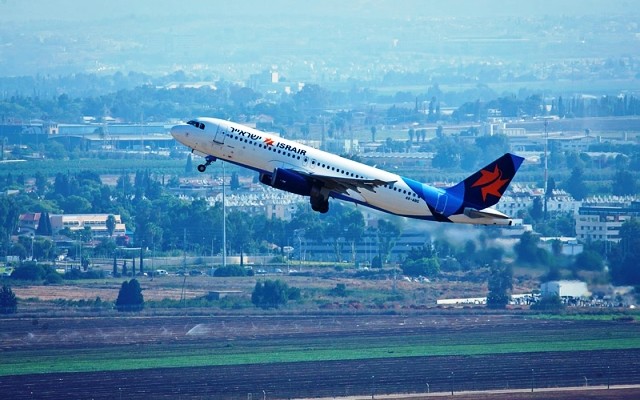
(141, 98)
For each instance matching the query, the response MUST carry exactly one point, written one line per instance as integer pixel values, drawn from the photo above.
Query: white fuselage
(265, 152)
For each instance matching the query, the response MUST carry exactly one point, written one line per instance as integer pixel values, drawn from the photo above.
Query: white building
(569, 246)
(564, 289)
(77, 222)
(520, 198)
(602, 220)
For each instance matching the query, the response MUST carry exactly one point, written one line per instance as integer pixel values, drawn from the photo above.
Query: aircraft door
(219, 135)
(441, 204)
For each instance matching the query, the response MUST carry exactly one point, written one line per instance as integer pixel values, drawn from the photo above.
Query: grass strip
(125, 358)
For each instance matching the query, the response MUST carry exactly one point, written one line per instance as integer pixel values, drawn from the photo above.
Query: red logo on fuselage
(490, 182)
(268, 141)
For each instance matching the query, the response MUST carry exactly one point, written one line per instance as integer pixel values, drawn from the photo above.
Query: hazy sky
(71, 10)
(361, 37)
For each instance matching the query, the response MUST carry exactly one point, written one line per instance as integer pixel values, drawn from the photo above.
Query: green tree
(239, 232)
(388, 233)
(41, 183)
(536, 210)
(447, 156)
(44, 225)
(272, 294)
(576, 186)
(230, 270)
(43, 249)
(553, 274)
(30, 271)
(55, 150)
(111, 224)
(412, 133)
(8, 301)
(75, 204)
(421, 267)
(114, 271)
(339, 291)
(548, 303)
(588, 260)
(528, 252)
(353, 225)
(311, 98)
(500, 285)
(624, 183)
(625, 257)
(130, 296)
(234, 184)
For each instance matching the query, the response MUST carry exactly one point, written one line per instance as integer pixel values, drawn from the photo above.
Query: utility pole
(224, 219)
(546, 166)
(184, 249)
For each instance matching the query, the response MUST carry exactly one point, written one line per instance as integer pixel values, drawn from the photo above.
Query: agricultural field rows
(309, 356)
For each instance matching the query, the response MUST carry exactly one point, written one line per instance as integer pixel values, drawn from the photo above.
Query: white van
(161, 272)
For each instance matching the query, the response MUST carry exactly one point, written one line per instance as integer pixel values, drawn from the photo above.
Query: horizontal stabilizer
(487, 213)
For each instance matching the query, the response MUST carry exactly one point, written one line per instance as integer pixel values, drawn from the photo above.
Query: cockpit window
(196, 124)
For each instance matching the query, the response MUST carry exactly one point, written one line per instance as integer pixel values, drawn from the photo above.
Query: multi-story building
(602, 220)
(28, 223)
(521, 199)
(76, 222)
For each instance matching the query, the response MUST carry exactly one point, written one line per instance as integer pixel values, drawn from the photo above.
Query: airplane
(294, 167)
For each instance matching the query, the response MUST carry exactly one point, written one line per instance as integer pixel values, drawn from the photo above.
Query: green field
(612, 336)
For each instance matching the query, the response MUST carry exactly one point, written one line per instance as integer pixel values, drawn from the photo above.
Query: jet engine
(288, 180)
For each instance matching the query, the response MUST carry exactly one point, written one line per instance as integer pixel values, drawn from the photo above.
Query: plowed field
(309, 356)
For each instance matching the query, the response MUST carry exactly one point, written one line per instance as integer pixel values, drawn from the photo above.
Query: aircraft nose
(178, 131)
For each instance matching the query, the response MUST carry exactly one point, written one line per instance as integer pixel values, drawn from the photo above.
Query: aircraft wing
(341, 184)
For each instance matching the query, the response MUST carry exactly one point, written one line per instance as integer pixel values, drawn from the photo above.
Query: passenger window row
(403, 191)
(329, 167)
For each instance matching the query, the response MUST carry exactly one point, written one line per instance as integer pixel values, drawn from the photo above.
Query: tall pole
(546, 166)
(184, 250)
(532, 380)
(224, 219)
(153, 254)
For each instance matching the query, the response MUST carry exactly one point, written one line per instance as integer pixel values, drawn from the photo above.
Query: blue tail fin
(485, 188)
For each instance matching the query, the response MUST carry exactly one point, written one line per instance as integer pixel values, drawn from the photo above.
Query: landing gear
(209, 160)
(319, 204)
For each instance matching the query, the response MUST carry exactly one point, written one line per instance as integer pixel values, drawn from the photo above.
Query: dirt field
(311, 379)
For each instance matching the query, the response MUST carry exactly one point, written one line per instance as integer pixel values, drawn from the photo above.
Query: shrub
(53, 278)
(230, 270)
(29, 271)
(548, 303)
(130, 296)
(8, 301)
(76, 274)
(273, 294)
(421, 267)
(340, 290)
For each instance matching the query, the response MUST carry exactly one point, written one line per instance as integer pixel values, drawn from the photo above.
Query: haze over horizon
(73, 10)
(320, 42)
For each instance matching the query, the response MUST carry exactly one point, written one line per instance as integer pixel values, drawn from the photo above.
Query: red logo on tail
(490, 182)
